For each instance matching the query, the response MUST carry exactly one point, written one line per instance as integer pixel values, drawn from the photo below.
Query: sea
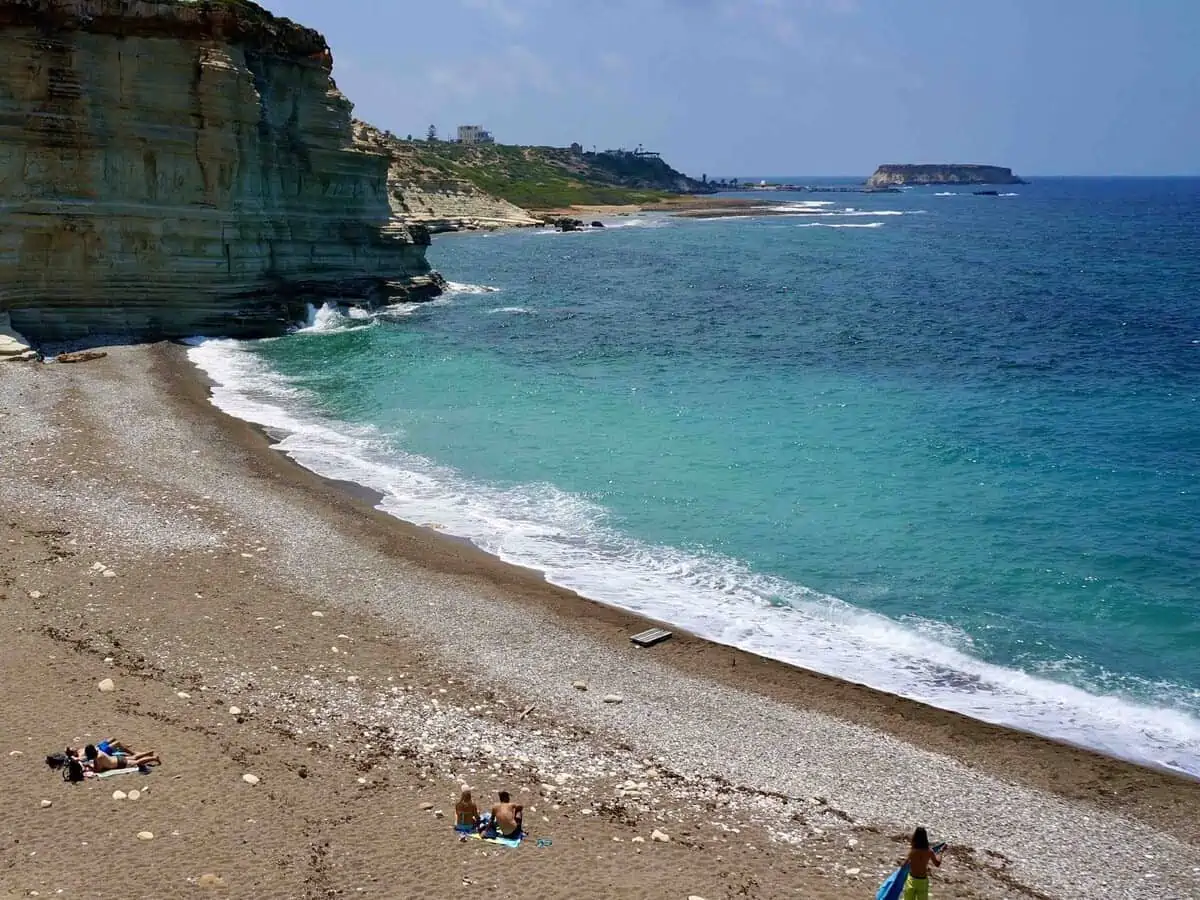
(942, 444)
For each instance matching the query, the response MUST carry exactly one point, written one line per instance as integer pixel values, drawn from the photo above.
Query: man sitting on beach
(507, 816)
(104, 762)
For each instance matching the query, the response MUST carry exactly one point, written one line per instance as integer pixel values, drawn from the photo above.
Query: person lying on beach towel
(104, 762)
(113, 747)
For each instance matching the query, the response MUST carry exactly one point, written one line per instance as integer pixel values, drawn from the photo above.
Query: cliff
(436, 200)
(180, 168)
(531, 178)
(896, 175)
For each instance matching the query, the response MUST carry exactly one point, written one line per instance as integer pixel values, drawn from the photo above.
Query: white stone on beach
(660, 836)
(208, 880)
(98, 567)
(145, 835)
(853, 871)
(15, 753)
(106, 686)
(613, 698)
(317, 614)
(135, 794)
(119, 795)
(695, 897)
(109, 573)
(250, 779)
(353, 679)
(637, 839)
(46, 804)
(579, 685)
(438, 813)
(183, 695)
(235, 711)
(35, 595)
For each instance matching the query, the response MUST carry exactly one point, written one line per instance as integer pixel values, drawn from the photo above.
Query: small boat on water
(987, 193)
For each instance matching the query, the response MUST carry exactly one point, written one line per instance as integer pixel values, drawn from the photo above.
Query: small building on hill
(474, 134)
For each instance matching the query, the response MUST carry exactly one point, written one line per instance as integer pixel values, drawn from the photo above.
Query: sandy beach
(257, 619)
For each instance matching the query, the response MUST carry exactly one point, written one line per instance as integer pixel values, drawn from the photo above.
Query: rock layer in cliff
(171, 169)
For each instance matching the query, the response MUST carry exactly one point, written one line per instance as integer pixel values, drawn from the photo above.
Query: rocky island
(184, 168)
(898, 175)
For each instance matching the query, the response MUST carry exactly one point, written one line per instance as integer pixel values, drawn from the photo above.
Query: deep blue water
(949, 447)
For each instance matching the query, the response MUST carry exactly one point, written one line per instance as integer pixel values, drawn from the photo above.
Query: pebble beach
(322, 679)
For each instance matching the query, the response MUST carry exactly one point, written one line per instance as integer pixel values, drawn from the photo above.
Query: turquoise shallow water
(943, 444)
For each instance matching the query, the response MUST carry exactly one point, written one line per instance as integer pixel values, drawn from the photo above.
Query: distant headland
(943, 173)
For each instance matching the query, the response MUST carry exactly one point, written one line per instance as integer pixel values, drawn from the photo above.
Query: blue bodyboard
(894, 886)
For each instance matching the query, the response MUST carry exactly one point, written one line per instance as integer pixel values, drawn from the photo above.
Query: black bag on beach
(73, 770)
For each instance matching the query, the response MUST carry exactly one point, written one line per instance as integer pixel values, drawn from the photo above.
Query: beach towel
(493, 837)
(112, 773)
(894, 886)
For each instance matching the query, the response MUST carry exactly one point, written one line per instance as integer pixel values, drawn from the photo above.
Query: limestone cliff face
(179, 168)
(897, 175)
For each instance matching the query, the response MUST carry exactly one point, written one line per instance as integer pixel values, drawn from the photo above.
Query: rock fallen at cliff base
(81, 356)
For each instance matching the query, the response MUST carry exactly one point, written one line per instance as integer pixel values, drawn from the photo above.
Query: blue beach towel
(894, 886)
(492, 837)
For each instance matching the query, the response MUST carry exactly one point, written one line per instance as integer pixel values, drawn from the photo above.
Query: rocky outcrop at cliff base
(180, 168)
(899, 175)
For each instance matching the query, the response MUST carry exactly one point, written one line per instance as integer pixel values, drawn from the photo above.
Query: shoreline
(883, 709)
(948, 731)
(768, 750)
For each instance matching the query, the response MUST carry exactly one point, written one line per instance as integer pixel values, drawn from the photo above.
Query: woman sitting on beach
(919, 858)
(466, 813)
(103, 762)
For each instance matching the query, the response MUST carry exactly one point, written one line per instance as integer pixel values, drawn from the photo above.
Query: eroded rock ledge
(173, 168)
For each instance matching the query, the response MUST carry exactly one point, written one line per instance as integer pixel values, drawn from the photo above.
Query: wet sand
(432, 664)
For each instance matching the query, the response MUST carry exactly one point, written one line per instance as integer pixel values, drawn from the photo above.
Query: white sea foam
(456, 287)
(330, 318)
(840, 225)
(568, 538)
(515, 310)
(946, 194)
(1010, 195)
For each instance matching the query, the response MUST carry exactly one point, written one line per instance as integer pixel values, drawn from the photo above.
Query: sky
(787, 87)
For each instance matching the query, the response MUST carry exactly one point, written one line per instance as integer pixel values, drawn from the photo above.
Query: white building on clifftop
(474, 134)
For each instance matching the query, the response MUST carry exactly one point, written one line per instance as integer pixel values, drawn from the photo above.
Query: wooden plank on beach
(650, 637)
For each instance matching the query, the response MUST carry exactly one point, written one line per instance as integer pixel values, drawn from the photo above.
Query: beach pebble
(353, 679)
(853, 871)
(637, 839)
(426, 806)
(106, 686)
(438, 814)
(46, 804)
(183, 695)
(15, 753)
(134, 794)
(235, 711)
(209, 880)
(98, 567)
(145, 835)
(317, 614)
(579, 685)
(35, 595)
(695, 897)
(109, 573)
(250, 779)
(613, 698)
(361, 780)
(119, 795)
(660, 836)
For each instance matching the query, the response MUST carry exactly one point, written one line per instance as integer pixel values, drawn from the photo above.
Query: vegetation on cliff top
(534, 177)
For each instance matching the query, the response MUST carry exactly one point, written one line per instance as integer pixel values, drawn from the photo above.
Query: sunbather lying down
(104, 762)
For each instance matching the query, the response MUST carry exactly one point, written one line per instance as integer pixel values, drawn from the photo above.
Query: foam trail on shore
(840, 225)
(568, 538)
